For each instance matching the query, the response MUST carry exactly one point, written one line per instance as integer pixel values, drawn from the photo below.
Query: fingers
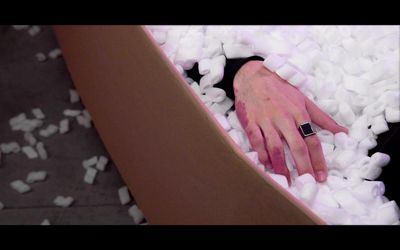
(275, 149)
(257, 143)
(297, 145)
(314, 147)
(322, 119)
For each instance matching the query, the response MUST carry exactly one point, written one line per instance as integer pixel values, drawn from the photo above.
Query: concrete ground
(25, 84)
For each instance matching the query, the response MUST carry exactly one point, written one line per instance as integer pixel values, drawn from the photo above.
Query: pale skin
(270, 111)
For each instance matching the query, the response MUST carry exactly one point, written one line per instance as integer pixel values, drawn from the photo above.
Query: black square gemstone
(307, 129)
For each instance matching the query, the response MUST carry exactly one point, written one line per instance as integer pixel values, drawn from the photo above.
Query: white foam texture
(101, 163)
(61, 201)
(29, 152)
(90, 175)
(123, 194)
(136, 214)
(20, 186)
(36, 176)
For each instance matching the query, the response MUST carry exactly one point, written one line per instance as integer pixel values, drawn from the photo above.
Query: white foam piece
(36, 176)
(86, 114)
(20, 186)
(392, 115)
(41, 151)
(50, 130)
(353, 67)
(391, 98)
(332, 216)
(358, 133)
(73, 96)
(290, 164)
(160, 36)
(380, 159)
(90, 175)
(346, 113)
(123, 194)
(303, 179)
(326, 136)
(214, 76)
(136, 214)
(61, 201)
(72, 112)
(90, 162)
(45, 222)
(335, 182)
(28, 137)
(222, 121)
(374, 108)
(29, 152)
(83, 121)
(11, 147)
(20, 27)
(344, 159)
(359, 102)
(102, 163)
(216, 94)
(214, 48)
(236, 136)
(40, 57)
(286, 71)
(54, 53)
(222, 107)
(325, 198)
(64, 126)
(34, 30)
(368, 191)
(327, 148)
(234, 121)
(204, 66)
(206, 100)
(343, 141)
(187, 57)
(379, 127)
(355, 84)
(237, 50)
(370, 171)
(17, 119)
(253, 156)
(298, 79)
(302, 62)
(368, 143)
(280, 179)
(274, 62)
(266, 44)
(196, 88)
(38, 113)
(309, 192)
(348, 202)
(388, 213)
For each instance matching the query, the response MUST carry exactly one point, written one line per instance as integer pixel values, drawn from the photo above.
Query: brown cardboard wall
(177, 162)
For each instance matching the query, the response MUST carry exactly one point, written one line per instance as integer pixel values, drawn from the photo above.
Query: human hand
(270, 111)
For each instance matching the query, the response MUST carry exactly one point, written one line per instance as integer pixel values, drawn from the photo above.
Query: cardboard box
(179, 164)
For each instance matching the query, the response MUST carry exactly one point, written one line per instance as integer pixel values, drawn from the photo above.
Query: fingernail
(321, 176)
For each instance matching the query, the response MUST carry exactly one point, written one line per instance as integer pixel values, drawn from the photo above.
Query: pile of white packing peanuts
(350, 72)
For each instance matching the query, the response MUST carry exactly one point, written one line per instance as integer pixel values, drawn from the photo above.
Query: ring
(306, 129)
